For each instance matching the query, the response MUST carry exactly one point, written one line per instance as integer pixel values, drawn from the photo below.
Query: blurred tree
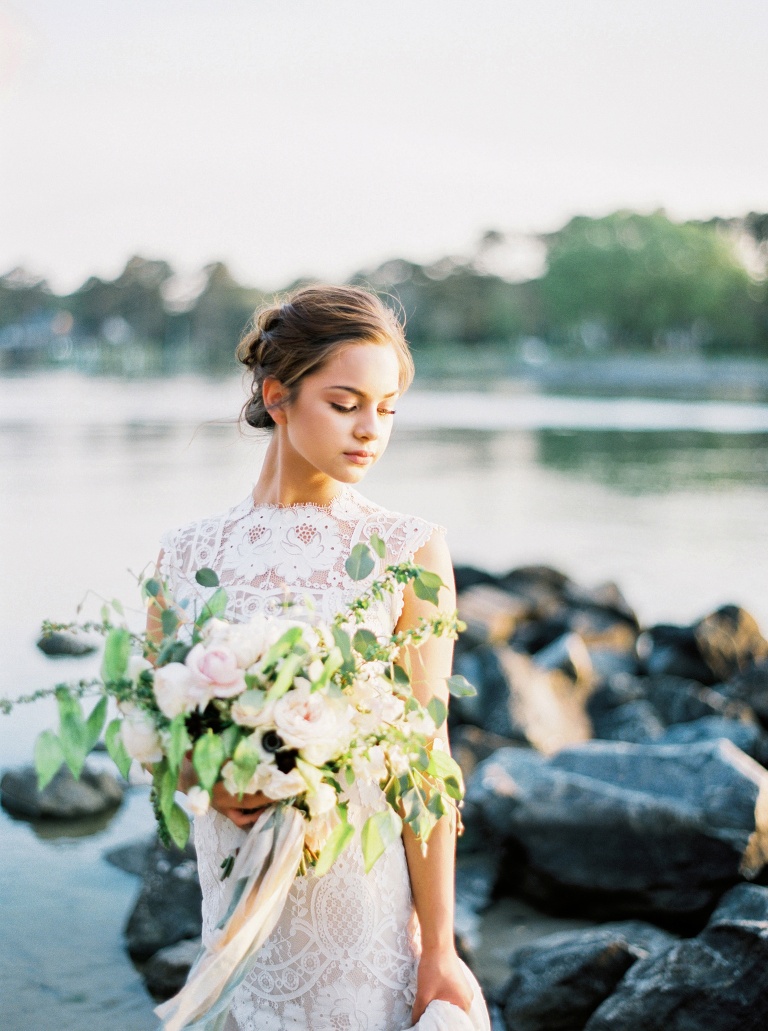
(132, 303)
(218, 318)
(24, 295)
(643, 282)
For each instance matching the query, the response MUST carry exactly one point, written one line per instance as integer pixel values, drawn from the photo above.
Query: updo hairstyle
(294, 338)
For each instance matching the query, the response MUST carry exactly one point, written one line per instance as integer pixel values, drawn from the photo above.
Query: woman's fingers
(241, 810)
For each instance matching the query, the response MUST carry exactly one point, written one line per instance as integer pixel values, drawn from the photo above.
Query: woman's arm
(432, 875)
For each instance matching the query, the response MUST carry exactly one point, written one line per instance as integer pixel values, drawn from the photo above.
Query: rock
(168, 908)
(131, 857)
(541, 586)
(489, 708)
(532, 637)
(746, 736)
(679, 701)
(546, 708)
(750, 688)
(166, 971)
(470, 745)
(607, 663)
(667, 649)
(718, 980)
(568, 654)
(730, 641)
(635, 721)
(558, 981)
(491, 614)
(64, 643)
(606, 596)
(616, 829)
(468, 576)
(64, 798)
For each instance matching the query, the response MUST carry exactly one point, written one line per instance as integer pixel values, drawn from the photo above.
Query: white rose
(305, 720)
(251, 641)
(139, 735)
(177, 690)
(370, 767)
(322, 800)
(276, 785)
(252, 710)
(198, 800)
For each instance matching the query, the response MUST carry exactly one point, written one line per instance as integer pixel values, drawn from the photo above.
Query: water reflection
(643, 462)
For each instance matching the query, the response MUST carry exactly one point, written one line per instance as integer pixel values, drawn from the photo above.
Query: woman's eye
(341, 408)
(387, 411)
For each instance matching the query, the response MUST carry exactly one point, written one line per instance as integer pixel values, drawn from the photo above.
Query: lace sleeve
(405, 540)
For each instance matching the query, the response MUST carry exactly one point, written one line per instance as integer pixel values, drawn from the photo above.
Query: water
(669, 498)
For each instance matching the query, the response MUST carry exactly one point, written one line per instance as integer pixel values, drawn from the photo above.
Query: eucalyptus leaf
(282, 646)
(333, 663)
(460, 687)
(180, 742)
(365, 643)
(215, 606)
(442, 766)
(73, 733)
(207, 757)
(290, 667)
(165, 779)
(438, 710)
(246, 758)
(95, 723)
(339, 838)
(378, 833)
(207, 577)
(152, 587)
(114, 742)
(117, 605)
(117, 650)
(48, 758)
(360, 563)
(343, 643)
(378, 545)
(177, 822)
(169, 621)
(425, 590)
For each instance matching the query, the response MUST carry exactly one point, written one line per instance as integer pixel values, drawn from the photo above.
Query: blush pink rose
(216, 668)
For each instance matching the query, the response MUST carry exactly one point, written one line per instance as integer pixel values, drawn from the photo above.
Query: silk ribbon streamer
(262, 875)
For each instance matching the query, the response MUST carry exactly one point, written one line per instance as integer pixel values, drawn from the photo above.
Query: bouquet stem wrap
(262, 875)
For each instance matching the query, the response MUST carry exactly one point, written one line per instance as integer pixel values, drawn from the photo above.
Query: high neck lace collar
(346, 494)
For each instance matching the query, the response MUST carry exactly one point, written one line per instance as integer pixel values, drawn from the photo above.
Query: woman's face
(341, 419)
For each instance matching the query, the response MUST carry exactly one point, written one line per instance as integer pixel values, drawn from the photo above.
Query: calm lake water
(669, 498)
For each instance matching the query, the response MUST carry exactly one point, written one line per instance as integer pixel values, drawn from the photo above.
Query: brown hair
(296, 337)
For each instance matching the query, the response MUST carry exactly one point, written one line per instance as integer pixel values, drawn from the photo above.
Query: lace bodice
(343, 956)
(264, 554)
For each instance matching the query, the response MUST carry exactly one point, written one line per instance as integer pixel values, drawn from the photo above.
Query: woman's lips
(359, 457)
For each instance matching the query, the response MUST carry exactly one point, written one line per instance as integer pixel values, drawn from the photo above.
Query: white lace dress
(343, 956)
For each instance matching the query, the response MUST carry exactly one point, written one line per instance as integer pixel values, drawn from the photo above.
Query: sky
(320, 137)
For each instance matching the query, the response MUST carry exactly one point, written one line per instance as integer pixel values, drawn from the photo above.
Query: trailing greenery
(624, 283)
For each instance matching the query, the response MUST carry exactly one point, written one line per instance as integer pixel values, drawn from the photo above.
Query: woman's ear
(274, 395)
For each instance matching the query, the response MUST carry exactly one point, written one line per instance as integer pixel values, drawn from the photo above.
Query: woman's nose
(367, 427)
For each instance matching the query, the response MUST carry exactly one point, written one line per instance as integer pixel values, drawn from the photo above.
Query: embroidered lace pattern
(343, 955)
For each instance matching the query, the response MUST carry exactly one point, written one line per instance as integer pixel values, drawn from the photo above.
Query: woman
(350, 951)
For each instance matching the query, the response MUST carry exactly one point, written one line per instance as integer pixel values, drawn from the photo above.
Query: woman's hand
(243, 810)
(440, 977)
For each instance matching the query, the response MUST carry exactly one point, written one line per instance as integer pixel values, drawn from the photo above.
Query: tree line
(626, 283)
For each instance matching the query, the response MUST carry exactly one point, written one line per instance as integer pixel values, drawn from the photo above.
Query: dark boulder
(470, 745)
(666, 649)
(750, 688)
(168, 908)
(166, 971)
(558, 981)
(749, 737)
(718, 980)
(615, 829)
(132, 858)
(730, 641)
(541, 586)
(64, 798)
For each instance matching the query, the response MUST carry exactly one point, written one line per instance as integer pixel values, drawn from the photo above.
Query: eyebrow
(362, 393)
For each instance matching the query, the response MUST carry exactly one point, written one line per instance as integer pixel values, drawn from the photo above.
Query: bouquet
(298, 710)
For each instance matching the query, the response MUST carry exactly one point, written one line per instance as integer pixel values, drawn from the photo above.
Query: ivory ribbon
(262, 875)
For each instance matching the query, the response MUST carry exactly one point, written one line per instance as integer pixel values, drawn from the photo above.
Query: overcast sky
(292, 137)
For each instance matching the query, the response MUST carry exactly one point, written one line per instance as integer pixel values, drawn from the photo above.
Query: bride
(351, 952)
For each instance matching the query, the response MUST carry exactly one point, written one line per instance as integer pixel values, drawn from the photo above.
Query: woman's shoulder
(403, 533)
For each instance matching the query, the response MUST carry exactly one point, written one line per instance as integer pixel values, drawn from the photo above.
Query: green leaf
(152, 587)
(365, 643)
(215, 606)
(207, 577)
(378, 545)
(116, 748)
(399, 675)
(177, 822)
(290, 667)
(339, 839)
(360, 562)
(207, 758)
(282, 646)
(437, 805)
(343, 643)
(246, 758)
(165, 780)
(460, 687)
(378, 833)
(425, 587)
(169, 621)
(446, 769)
(229, 738)
(333, 663)
(117, 650)
(73, 733)
(48, 758)
(438, 710)
(95, 723)
(180, 742)
(117, 605)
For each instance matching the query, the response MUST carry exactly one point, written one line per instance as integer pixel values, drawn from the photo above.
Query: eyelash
(341, 408)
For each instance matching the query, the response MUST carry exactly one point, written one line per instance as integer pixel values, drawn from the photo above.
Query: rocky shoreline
(616, 777)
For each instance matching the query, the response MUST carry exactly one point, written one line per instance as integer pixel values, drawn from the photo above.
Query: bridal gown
(344, 953)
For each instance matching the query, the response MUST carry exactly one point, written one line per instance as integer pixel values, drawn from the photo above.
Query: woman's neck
(286, 479)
